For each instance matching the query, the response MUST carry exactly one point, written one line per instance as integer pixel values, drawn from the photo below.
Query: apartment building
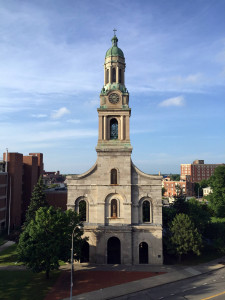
(3, 198)
(18, 176)
(175, 188)
(198, 170)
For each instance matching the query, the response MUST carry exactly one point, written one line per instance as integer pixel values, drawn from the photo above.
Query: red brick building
(175, 188)
(198, 170)
(22, 173)
(53, 178)
(57, 199)
(3, 199)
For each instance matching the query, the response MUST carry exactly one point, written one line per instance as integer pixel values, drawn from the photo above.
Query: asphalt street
(202, 287)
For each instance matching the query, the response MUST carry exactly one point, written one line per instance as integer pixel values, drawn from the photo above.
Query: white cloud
(57, 114)
(39, 116)
(176, 101)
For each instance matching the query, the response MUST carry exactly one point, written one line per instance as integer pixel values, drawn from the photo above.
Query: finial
(114, 39)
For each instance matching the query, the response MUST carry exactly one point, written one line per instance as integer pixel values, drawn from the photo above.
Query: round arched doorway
(113, 251)
(84, 252)
(143, 253)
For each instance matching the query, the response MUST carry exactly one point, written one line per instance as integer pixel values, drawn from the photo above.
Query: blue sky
(51, 74)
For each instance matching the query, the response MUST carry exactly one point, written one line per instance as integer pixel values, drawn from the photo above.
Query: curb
(147, 283)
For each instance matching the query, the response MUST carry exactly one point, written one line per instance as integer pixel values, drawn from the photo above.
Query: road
(203, 287)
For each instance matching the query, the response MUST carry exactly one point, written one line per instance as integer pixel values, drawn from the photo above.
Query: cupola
(114, 50)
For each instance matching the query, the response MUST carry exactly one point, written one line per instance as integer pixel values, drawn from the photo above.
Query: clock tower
(114, 112)
(120, 206)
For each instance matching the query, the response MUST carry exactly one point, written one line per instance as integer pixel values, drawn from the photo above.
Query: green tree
(47, 239)
(199, 214)
(217, 197)
(184, 236)
(38, 199)
(175, 177)
(82, 210)
(168, 214)
(198, 187)
(180, 204)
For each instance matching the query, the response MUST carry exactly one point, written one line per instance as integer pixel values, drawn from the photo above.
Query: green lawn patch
(203, 258)
(25, 285)
(8, 257)
(192, 259)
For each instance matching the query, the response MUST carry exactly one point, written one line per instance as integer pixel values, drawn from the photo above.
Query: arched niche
(82, 208)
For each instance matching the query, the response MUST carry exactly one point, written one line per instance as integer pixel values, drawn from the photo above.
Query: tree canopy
(175, 177)
(184, 236)
(47, 239)
(38, 199)
(198, 187)
(217, 197)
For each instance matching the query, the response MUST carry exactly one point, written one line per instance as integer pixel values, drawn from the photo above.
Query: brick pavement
(90, 280)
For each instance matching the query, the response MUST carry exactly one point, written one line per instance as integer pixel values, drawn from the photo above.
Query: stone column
(104, 75)
(117, 74)
(104, 130)
(127, 128)
(100, 133)
(110, 74)
(121, 127)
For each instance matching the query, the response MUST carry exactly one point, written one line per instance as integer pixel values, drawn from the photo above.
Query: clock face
(114, 98)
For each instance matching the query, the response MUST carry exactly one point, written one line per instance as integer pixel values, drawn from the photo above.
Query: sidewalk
(174, 273)
(6, 245)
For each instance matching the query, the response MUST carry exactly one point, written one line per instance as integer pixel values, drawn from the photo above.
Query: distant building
(207, 191)
(198, 170)
(3, 198)
(50, 178)
(18, 176)
(175, 188)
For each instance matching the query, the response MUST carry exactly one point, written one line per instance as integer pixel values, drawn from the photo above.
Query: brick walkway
(86, 281)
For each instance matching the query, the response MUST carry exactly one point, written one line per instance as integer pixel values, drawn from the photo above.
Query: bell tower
(122, 205)
(114, 112)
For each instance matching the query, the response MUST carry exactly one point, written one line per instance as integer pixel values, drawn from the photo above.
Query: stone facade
(122, 205)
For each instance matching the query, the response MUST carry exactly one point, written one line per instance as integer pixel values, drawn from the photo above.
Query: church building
(121, 206)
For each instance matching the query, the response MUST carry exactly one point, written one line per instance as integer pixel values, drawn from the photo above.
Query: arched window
(82, 210)
(113, 176)
(120, 76)
(114, 208)
(146, 211)
(113, 75)
(113, 129)
(107, 76)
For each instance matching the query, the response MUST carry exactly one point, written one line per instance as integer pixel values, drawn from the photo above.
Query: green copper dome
(114, 50)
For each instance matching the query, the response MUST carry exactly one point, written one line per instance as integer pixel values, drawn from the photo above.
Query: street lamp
(71, 282)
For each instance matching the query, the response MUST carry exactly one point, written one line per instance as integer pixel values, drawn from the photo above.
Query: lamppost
(71, 282)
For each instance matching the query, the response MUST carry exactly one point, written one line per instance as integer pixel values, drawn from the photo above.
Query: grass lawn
(25, 285)
(192, 259)
(8, 257)
(203, 258)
